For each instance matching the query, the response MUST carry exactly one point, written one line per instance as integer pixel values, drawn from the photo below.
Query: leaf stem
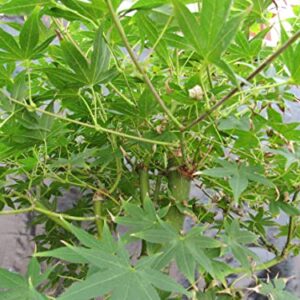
(121, 94)
(209, 77)
(157, 187)
(291, 228)
(94, 118)
(29, 84)
(249, 78)
(144, 182)
(16, 211)
(97, 201)
(134, 59)
(160, 36)
(119, 169)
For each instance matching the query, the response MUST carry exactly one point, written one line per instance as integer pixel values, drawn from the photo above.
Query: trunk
(179, 185)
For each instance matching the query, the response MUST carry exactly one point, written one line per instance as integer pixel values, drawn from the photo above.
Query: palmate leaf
(76, 60)
(188, 25)
(237, 239)
(187, 250)
(138, 218)
(13, 286)
(115, 273)
(290, 157)
(62, 78)
(214, 33)
(239, 176)
(125, 282)
(275, 289)
(89, 72)
(26, 130)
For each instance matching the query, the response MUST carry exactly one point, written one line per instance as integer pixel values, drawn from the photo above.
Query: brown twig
(249, 78)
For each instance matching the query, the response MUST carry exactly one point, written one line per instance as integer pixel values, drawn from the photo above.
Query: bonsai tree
(169, 119)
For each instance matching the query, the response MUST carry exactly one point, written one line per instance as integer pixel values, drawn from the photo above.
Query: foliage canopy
(133, 106)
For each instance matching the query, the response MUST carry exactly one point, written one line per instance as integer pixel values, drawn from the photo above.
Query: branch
(16, 211)
(134, 59)
(96, 128)
(249, 78)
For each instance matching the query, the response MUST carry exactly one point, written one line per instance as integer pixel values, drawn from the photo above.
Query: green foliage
(113, 272)
(14, 286)
(213, 34)
(276, 290)
(239, 176)
(135, 107)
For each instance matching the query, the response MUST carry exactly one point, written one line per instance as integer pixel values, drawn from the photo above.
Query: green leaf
(9, 44)
(14, 7)
(34, 270)
(291, 157)
(238, 184)
(147, 104)
(63, 78)
(63, 254)
(162, 281)
(187, 250)
(225, 67)
(76, 61)
(138, 219)
(288, 54)
(238, 176)
(213, 18)
(98, 284)
(147, 26)
(43, 46)
(218, 172)
(289, 209)
(215, 32)
(296, 67)
(275, 289)
(188, 25)
(186, 262)
(202, 259)
(291, 55)
(100, 58)
(236, 239)
(116, 275)
(90, 11)
(84, 237)
(176, 41)
(145, 4)
(225, 37)
(108, 76)
(29, 35)
(10, 280)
